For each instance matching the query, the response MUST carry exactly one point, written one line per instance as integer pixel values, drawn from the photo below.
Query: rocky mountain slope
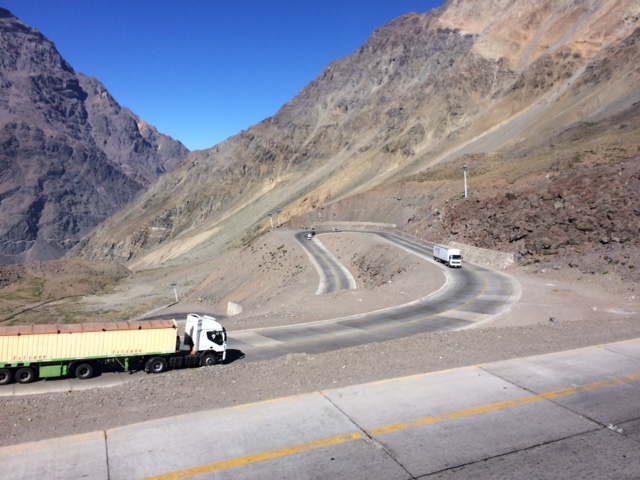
(530, 96)
(70, 156)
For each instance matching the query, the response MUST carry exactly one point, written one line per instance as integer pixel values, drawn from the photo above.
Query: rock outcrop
(70, 156)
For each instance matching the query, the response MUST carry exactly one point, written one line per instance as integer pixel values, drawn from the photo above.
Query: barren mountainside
(70, 156)
(538, 99)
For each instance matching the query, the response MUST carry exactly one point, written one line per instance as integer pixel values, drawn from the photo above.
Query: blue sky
(203, 70)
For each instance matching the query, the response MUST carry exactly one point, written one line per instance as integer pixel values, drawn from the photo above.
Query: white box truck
(449, 256)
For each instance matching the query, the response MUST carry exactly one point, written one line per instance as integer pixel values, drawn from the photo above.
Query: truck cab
(204, 333)
(451, 257)
(455, 259)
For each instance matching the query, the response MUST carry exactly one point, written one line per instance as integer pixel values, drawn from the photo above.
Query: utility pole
(175, 292)
(278, 212)
(464, 170)
(270, 215)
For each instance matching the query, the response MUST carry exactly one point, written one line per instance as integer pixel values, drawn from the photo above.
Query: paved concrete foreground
(569, 415)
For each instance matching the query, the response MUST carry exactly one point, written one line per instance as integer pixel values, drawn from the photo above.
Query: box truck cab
(451, 257)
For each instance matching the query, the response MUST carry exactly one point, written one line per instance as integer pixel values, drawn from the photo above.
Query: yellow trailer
(30, 351)
(37, 343)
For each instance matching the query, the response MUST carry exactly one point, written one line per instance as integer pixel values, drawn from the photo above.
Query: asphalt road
(472, 295)
(333, 274)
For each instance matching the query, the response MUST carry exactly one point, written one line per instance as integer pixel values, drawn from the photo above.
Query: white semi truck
(28, 352)
(451, 257)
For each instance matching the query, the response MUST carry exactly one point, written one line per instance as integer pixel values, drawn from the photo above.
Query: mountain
(70, 156)
(539, 99)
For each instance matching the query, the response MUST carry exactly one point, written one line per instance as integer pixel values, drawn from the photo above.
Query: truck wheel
(208, 359)
(5, 376)
(25, 375)
(84, 371)
(156, 365)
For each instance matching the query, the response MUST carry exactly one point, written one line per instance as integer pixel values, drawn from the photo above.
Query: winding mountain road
(334, 276)
(472, 295)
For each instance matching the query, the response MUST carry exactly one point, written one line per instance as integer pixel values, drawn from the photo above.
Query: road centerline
(394, 428)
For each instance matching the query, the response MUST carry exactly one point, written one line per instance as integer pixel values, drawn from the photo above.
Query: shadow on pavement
(233, 355)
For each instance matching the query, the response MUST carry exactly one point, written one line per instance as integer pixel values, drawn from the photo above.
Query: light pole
(270, 215)
(175, 292)
(464, 170)
(278, 212)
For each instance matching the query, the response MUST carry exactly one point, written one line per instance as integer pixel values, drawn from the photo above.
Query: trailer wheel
(25, 375)
(156, 365)
(83, 371)
(5, 376)
(208, 360)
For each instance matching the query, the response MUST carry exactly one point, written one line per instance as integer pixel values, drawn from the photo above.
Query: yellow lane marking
(420, 422)
(494, 407)
(260, 457)
(592, 386)
(470, 412)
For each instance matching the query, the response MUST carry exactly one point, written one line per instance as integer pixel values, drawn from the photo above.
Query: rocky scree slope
(572, 205)
(423, 95)
(70, 156)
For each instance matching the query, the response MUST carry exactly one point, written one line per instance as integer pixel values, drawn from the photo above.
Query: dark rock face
(70, 156)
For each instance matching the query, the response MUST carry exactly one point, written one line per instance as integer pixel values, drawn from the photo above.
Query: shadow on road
(233, 355)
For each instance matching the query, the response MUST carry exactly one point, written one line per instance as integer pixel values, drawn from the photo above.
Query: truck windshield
(216, 337)
(456, 257)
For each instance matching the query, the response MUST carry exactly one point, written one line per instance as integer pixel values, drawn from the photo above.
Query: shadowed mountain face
(527, 94)
(70, 156)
